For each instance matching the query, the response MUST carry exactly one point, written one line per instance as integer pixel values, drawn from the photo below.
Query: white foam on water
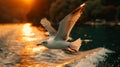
(91, 60)
(56, 56)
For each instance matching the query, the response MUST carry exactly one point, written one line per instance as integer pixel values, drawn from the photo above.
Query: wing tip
(45, 22)
(82, 5)
(79, 9)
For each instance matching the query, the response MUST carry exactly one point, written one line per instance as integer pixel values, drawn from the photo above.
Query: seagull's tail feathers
(76, 44)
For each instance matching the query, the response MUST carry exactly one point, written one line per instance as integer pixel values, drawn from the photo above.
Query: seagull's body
(59, 40)
(53, 44)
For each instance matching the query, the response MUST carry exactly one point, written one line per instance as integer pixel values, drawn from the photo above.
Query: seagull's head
(43, 43)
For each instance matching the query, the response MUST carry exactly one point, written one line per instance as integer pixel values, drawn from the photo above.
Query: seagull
(59, 40)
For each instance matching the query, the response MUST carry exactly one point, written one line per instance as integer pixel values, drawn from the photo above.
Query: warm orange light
(28, 1)
(38, 49)
(28, 33)
(29, 49)
(27, 30)
(29, 39)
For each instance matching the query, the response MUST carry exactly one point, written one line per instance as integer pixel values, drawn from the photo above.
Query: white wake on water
(91, 60)
(58, 56)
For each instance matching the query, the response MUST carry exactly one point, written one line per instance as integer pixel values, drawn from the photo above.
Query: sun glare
(28, 1)
(28, 33)
(27, 30)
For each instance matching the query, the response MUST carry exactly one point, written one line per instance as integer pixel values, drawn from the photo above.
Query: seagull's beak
(38, 44)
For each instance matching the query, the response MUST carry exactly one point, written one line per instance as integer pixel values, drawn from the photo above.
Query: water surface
(21, 39)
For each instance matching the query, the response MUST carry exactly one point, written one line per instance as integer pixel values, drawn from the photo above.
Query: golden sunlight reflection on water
(31, 49)
(27, 30)
(23, 39)
(30, 36)
(28, 33)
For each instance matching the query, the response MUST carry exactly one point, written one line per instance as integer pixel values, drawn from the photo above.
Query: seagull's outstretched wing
(46, 23)
(68, 22)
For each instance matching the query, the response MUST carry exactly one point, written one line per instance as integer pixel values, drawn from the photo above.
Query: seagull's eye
(44, 43)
